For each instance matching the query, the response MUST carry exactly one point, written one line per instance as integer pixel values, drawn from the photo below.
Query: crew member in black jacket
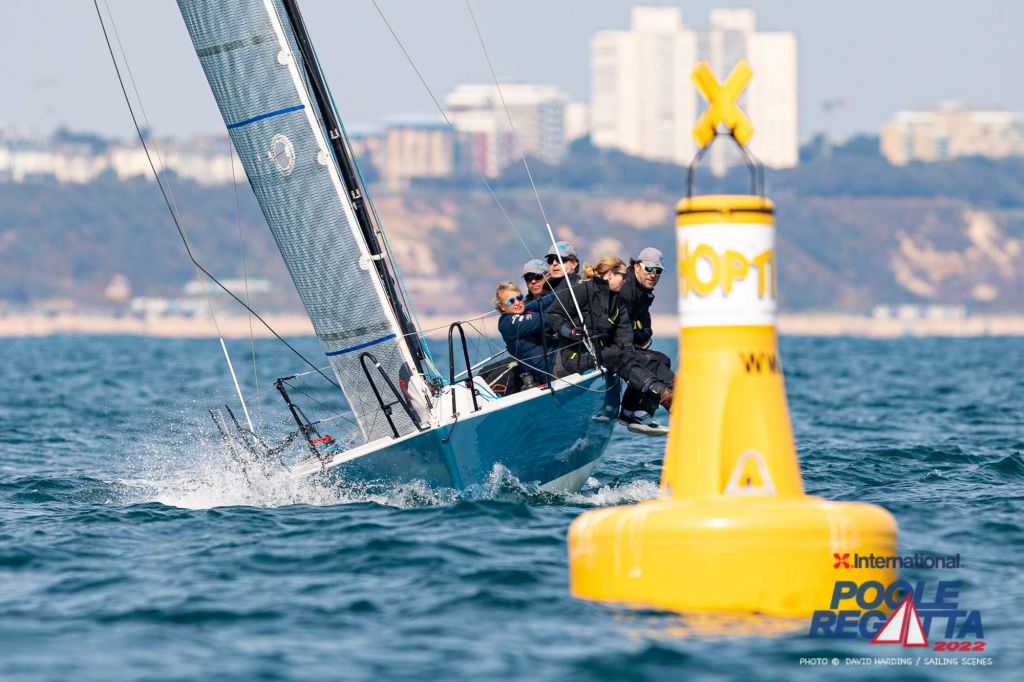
(559, 278)
(607, 325)
(637, 295)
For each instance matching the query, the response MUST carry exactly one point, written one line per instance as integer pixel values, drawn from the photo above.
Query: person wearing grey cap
(593, 329)
(637, 295)
(558, 278)
(534, 274)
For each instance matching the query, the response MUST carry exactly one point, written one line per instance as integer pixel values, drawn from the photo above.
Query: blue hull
(551, 439)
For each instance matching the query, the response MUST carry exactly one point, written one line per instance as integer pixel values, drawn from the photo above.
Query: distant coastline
(237, 326)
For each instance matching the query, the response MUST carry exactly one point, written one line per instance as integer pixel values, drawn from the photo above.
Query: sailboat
(414, 425)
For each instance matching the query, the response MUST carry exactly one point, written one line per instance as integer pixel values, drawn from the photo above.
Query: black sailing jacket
(637, 300)
(607, 319)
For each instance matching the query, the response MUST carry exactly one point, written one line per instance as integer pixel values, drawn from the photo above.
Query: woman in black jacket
(605, 322)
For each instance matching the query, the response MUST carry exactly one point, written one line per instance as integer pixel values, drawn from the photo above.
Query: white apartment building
(203, 160)
(770, 100)
(641, 97)
(644, 102)
(488, 142)
(577, 121)
(950, 131)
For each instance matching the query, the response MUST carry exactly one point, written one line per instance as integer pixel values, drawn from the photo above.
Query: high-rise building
(770, 101)
(577, 121)
(641, 98)
(950, 131)
(478, 113)
(644, 103)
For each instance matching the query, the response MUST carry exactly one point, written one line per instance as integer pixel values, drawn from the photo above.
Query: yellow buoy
(732, 529)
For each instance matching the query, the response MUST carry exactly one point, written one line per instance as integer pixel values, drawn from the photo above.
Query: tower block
(732, 529)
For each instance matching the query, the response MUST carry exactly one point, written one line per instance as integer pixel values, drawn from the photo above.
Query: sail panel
(253, 65)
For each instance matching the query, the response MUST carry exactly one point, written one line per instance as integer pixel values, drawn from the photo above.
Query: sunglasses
(532, 277)
(567, 259)
(653, 269)
(510, 301)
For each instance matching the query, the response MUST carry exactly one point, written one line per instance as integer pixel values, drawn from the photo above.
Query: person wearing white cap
(534, 274)
(557, 277)
(637, 294)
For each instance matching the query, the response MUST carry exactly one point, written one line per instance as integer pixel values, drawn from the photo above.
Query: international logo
(910, 561)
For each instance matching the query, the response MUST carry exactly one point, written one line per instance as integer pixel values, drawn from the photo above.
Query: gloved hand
(642, 337)
(571, 332)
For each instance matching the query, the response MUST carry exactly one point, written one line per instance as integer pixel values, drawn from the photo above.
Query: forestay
(251, 58)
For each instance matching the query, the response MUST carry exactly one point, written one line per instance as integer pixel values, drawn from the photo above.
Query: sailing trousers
(646, 373)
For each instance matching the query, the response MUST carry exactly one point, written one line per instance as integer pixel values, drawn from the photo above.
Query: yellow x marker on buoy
(722, 107)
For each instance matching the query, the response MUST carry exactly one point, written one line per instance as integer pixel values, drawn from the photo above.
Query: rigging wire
(173, 204)
(156, 150)
(245, 278)
(170, 202)
(529, 174)
(451, 126)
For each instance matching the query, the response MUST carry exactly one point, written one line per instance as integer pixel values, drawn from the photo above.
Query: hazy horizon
(55, 70)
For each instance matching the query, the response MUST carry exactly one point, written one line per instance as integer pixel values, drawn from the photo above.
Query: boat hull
(549, 438)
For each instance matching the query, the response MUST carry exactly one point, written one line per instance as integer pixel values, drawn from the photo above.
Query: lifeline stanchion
(732, 530)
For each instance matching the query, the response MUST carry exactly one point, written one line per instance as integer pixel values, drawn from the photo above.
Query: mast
(357, 192)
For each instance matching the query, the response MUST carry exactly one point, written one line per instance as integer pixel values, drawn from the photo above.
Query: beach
(29, 324)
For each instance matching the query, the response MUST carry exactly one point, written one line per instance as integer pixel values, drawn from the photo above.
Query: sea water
(133, 547)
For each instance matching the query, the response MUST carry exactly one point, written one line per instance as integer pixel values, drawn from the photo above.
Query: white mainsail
(255, 68)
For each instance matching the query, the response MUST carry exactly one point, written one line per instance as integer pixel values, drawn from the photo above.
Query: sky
(877, 57)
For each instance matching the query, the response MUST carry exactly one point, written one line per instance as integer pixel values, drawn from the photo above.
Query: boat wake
(595, 495)
(200, 475)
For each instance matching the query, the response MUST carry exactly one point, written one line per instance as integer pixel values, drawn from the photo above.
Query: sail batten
(269, 114)
(251, 60)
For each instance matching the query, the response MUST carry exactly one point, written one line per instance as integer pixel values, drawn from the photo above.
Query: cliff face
(852, 253)
(837, 253)
(840, 253)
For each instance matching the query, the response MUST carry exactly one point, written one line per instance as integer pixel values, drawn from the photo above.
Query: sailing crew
(534, 274)
(637, 295)
(522, 328)
(557, 277)
(606, 327)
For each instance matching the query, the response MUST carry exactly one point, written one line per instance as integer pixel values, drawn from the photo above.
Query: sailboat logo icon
(903, 627)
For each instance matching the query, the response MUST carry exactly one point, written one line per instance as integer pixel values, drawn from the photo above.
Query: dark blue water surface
(132, 548)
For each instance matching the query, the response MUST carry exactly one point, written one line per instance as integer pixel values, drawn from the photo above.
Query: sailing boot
(642, 422)
(665, 398)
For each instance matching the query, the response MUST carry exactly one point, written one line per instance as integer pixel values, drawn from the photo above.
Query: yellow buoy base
(744, 554)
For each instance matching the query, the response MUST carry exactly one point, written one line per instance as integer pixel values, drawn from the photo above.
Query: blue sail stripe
(247, 121)
(360, 346)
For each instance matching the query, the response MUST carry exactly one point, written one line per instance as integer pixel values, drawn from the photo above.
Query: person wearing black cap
(557, 277)
(637, 295)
